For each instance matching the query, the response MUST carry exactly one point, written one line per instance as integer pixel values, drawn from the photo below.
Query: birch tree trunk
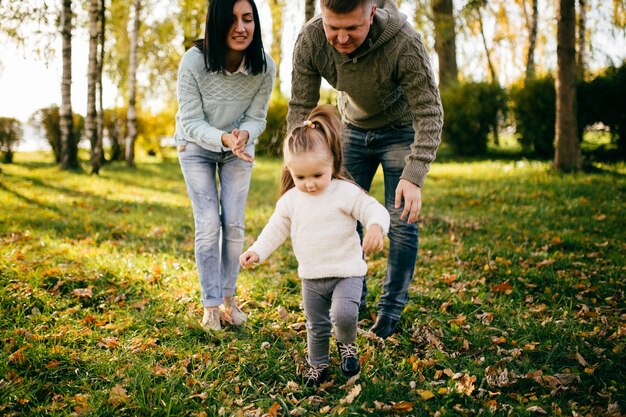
(131, 114)
(567, 156)
(69, 148)
(100, 117)
(445, 41)
(91, 125)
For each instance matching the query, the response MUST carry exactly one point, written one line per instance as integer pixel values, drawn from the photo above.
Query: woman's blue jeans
(217, 184)
(364, 151)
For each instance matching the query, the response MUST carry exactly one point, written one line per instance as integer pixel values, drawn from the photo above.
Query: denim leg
(344, 310)
(199, 167)
(361, 164)
(363, 152)
(316, 299)
(234, 176)
(403, 238)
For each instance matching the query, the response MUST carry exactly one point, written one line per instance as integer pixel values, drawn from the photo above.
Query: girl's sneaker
(315, 375)
(349, 354)
(211, 318)
(237, 317)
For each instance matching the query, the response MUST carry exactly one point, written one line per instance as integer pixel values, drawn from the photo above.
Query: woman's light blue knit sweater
(213, 103)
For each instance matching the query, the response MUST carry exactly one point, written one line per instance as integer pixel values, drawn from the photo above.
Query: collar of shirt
(242, 68)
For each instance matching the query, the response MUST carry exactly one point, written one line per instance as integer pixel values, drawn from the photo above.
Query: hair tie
(309, 123)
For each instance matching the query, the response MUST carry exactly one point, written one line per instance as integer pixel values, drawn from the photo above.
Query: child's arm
(273, 235)
(373, 239)
(248, 258)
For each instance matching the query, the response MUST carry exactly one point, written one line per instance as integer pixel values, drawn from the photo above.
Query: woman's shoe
(237, 317)
(384, 327)
(211, 319)
(315, 375)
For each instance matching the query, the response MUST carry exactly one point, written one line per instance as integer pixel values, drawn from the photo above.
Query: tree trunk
(132, 87)
(100, 118)
(582, 39)
(69, 148)
(276, 7)
(445, 42)
(492, 69)
(567, 155)
(309, 10)
(532, 41)
(91, 124)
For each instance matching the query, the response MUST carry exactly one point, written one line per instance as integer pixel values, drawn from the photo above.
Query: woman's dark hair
(219, 20)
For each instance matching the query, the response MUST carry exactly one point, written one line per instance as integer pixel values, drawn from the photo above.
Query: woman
(224, 85)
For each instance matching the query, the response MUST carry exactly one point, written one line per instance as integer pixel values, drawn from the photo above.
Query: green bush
(271, 140)
(48, 120)
(603, 100)
(10, 134)
(470, 112)
(533, 105)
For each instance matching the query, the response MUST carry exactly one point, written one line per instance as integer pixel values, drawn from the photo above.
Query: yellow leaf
(425, 394)
(442, 390)
(402, 407)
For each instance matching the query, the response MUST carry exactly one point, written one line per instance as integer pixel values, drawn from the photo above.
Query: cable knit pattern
(212, 103)
(323, 229)
(389, 80)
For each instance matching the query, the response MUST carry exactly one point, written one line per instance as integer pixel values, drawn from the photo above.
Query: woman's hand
(373, 239)
(236, 142)
(248, 258)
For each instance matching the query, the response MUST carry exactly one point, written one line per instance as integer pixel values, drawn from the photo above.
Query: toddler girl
(319, 208)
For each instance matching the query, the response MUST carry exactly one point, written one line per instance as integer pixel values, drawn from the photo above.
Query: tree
(309, 10)
(582, 39)
(10, 134)
(276, 6)
(69, 144)
(445, 41)
(91, 122)
(131, 137)
(567, 156)
(532, 24)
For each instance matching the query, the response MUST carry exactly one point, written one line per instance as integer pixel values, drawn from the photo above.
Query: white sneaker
(211, 318)
(232, 313)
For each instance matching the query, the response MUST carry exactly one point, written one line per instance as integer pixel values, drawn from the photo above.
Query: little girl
(319, 208)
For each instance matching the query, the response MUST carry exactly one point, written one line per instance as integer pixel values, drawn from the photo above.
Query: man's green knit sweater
(388, 80)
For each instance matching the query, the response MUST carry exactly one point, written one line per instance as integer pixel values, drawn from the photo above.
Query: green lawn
(517, 307)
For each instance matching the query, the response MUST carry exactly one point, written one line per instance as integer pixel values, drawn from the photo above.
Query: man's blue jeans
(364, 151)
(217, 184)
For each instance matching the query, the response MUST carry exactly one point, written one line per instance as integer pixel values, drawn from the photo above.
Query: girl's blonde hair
(322, 129)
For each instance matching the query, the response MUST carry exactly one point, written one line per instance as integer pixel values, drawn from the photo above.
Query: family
(389, 115)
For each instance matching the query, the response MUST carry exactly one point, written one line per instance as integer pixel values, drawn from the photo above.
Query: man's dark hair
(344, 6)
(219, 20)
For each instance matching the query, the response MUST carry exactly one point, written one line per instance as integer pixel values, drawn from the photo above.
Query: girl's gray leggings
(330, 303)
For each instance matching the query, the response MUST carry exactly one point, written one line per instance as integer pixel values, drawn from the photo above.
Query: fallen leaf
(425, 394)
(536, 409)
(402, 407)
(356, 390)
(117, 395)
(273, 410)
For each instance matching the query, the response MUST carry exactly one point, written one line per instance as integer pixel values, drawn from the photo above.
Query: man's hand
(412, 195)
(373, 239)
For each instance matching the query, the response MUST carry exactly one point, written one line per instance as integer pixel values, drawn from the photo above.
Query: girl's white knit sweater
(323, 229)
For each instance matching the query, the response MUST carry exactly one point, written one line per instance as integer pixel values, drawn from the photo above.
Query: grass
(517, 306)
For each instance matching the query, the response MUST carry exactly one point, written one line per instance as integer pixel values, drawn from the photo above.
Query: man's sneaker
(237, 317)
(211, 319)
(315, 375)
(349, 358)
(384, 327)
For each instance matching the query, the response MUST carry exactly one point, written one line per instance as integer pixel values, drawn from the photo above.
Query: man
(390, 104)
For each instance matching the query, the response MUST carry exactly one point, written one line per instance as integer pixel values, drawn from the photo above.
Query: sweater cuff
(415, 172)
